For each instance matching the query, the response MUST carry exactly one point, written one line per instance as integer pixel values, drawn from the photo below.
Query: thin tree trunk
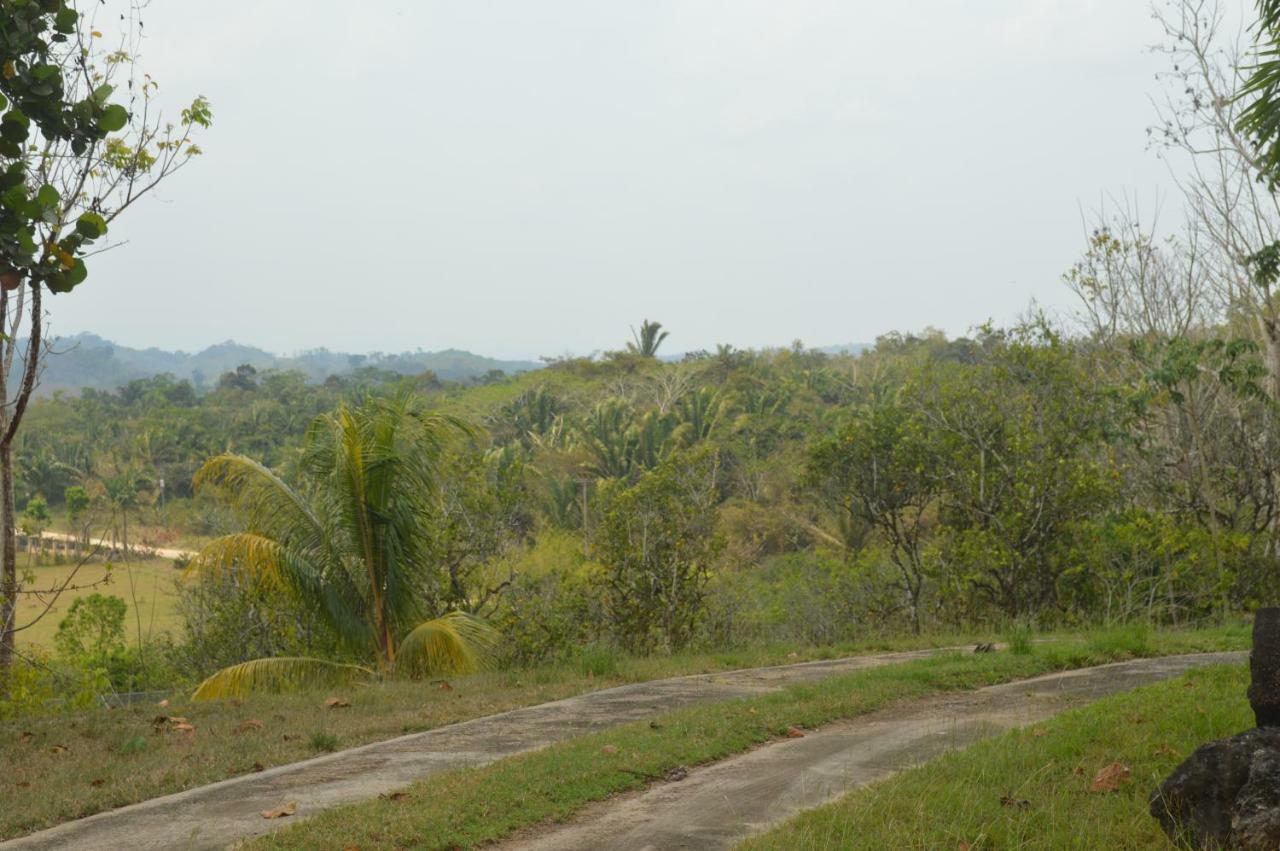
(8, 510)
(9, 579)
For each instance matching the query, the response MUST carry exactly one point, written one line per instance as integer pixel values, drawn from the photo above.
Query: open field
(1030, 789)
(147, 588)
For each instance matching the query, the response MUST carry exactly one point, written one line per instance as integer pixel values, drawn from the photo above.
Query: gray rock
(1225, 795)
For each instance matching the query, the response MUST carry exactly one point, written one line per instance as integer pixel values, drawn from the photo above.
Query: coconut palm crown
(350, 545)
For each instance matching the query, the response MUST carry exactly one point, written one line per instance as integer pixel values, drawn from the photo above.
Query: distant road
(160, 552)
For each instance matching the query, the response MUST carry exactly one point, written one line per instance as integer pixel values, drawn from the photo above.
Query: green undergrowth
(1031, 788)
(469, 807)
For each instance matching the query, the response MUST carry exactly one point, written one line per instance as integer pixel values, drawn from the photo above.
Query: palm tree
(647, 341)
(349, 546)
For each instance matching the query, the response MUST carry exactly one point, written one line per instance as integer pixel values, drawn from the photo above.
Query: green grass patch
(469, 807)
(1030, 788)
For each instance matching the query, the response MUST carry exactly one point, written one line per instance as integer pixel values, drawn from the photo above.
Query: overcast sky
(524, 179)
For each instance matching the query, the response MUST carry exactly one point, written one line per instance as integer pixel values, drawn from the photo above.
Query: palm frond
(456, 643)
(261, 558)
(260, 495)
(278, 674)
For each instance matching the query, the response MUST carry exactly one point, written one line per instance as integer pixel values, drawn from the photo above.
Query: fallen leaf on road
(280, 812)
(337, 703)
(1109, 777)
(249, 724)
(795, 733)
(609, 749)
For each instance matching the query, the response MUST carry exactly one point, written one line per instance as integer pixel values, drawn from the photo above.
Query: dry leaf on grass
(248, 724)
(1039, 732)
(257, 766)
(795, 733)
(162, 704)
(394, 796)
(1016, 803)
(96, 783)
(337, 703)
(1110, 777)
(22, 784)
(26, 736)
(280, 812)
(963, 846)
(609, 749)
(1165, 750)
(57, 749)
(184, 727)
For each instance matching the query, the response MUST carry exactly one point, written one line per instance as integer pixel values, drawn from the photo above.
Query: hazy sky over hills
(522, 178)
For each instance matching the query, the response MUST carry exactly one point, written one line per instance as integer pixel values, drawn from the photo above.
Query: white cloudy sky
(522, 179)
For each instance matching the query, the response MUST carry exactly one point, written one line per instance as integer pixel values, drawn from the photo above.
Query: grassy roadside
(1045, 772)
(65, 766)
(468, 807)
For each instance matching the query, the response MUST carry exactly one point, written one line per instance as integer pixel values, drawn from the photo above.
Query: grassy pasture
(150, 583)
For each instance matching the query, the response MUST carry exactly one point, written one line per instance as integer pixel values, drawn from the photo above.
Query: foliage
(350, 548)
(657, 543)
(92, 632)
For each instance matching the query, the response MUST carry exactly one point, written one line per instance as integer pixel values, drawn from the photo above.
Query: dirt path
(217, 815)
(721, 804)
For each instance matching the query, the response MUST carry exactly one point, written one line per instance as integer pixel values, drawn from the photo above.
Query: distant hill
(87, 360)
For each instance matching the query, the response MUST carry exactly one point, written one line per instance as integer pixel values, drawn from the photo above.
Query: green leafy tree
(92, 631)
(657, 541)
(72, 159)
(1023, 459)
(35, 517)
(881, 469)
(350, 545)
